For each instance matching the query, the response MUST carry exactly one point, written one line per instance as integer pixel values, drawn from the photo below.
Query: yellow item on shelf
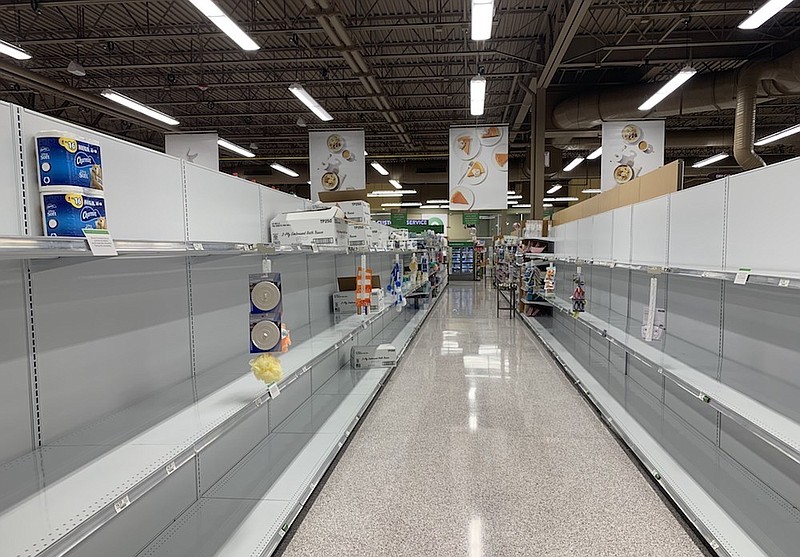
(267, 368)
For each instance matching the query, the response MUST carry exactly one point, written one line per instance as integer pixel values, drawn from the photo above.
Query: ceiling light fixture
(225, 24)
(281, 168)
(13, 51)
(710, 160)
(76, 69)
(128, 102)
(557, 199)
(547, 205)
(477, 95)
(429, 206)
(594, 154)
(592, 190)
(365, 153)
(518, 196)
(482, 12)
(396, 184)
(437, 201)
(764, 13)
(669, 87)
(779, 135)
(299, 92)
(409, 204)
(377, 166)
(391, 193)
(225, 144)
(555, 188)
(524, 206)
(573, 164)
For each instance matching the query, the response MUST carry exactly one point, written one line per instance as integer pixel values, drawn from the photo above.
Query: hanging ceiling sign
(631, 148)
(478, 171)
(336, 161)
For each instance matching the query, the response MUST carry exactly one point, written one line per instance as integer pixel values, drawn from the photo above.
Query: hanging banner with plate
(631, 148)
(478, 168)
(336, 161)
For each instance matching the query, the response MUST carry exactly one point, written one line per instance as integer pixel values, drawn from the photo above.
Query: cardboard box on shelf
(381, 355)
(344, 301)
(355, 210)
(359, 235)
(324, 227)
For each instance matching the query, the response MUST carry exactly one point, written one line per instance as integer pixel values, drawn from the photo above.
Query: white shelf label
(171, 467)
(197, 246)
(259, 402)
(120, 505)
(100, 242)
(742, 276)
(274, 390)
(783, 282)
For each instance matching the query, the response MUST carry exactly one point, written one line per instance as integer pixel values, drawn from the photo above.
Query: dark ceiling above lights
(418, 56)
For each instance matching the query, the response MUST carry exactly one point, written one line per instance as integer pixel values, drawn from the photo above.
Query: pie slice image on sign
(462, 200)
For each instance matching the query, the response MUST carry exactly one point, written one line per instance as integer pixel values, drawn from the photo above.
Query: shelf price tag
(274, 390)
(120, 505)
(171, 467)
(742, 276)
(100, 242)
(197, 246)
(784, 283)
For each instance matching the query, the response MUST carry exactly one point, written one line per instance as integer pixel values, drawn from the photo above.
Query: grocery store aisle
(479, 446)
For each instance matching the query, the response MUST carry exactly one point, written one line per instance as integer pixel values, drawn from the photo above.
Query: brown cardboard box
(346, 284)
(608, 200)
(589, 207)
(629, 193)
(345, 195)
(660, 182)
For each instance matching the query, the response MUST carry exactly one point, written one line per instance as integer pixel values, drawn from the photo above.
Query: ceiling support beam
(569, 29)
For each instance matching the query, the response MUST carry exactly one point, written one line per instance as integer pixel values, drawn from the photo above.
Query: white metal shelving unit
(263, 494)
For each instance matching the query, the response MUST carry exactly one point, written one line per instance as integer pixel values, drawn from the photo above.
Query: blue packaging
(66, 161)
(67, 211)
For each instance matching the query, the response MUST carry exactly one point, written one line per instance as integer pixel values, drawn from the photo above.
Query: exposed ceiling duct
(741, 89)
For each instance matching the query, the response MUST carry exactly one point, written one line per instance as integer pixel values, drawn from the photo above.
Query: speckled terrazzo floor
(479, 446)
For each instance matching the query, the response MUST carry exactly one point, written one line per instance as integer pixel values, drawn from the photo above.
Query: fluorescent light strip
(13, 51)
(477, 95)
(409, 204)
(128, 102)
(669, 87)
(710, 160)
(391, 193)
(556, 199)
(396, 184)
(547, 205)
(555, 188)
(573, 164)
(437, 201)
(594, 154)
(377, 166)
(524, 206)
(225, 144)
(764, 13)
(592, 190)
(514, 197)
(779, 135)
(365, 153)
(281, 168)
(299, 92)
(482, 12)
(225, 24)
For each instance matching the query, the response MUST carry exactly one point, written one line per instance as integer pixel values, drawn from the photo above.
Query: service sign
(478, 173)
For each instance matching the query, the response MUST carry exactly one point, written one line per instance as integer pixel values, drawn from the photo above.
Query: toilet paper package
(67, 211)
(64, 160)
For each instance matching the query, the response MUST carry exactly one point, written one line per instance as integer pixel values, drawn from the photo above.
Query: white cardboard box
(345, 302)
(359, 235)
(382, 355)
(325, 227)
(355, 210)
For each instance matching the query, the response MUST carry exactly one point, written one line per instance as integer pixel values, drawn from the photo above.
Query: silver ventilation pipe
(741, 89)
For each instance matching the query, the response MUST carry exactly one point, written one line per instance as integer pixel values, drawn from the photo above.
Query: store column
(537, 155)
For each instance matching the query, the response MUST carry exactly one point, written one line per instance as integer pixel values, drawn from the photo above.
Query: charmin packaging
(67, 161)
(67, 211)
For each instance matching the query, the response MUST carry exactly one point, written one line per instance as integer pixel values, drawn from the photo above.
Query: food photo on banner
(478, 172)
(631, 148)
(336, 161)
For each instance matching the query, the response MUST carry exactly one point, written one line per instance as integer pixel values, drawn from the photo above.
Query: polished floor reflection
(479, 446)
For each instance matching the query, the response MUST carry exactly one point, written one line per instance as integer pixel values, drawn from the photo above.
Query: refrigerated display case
(462, 261)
